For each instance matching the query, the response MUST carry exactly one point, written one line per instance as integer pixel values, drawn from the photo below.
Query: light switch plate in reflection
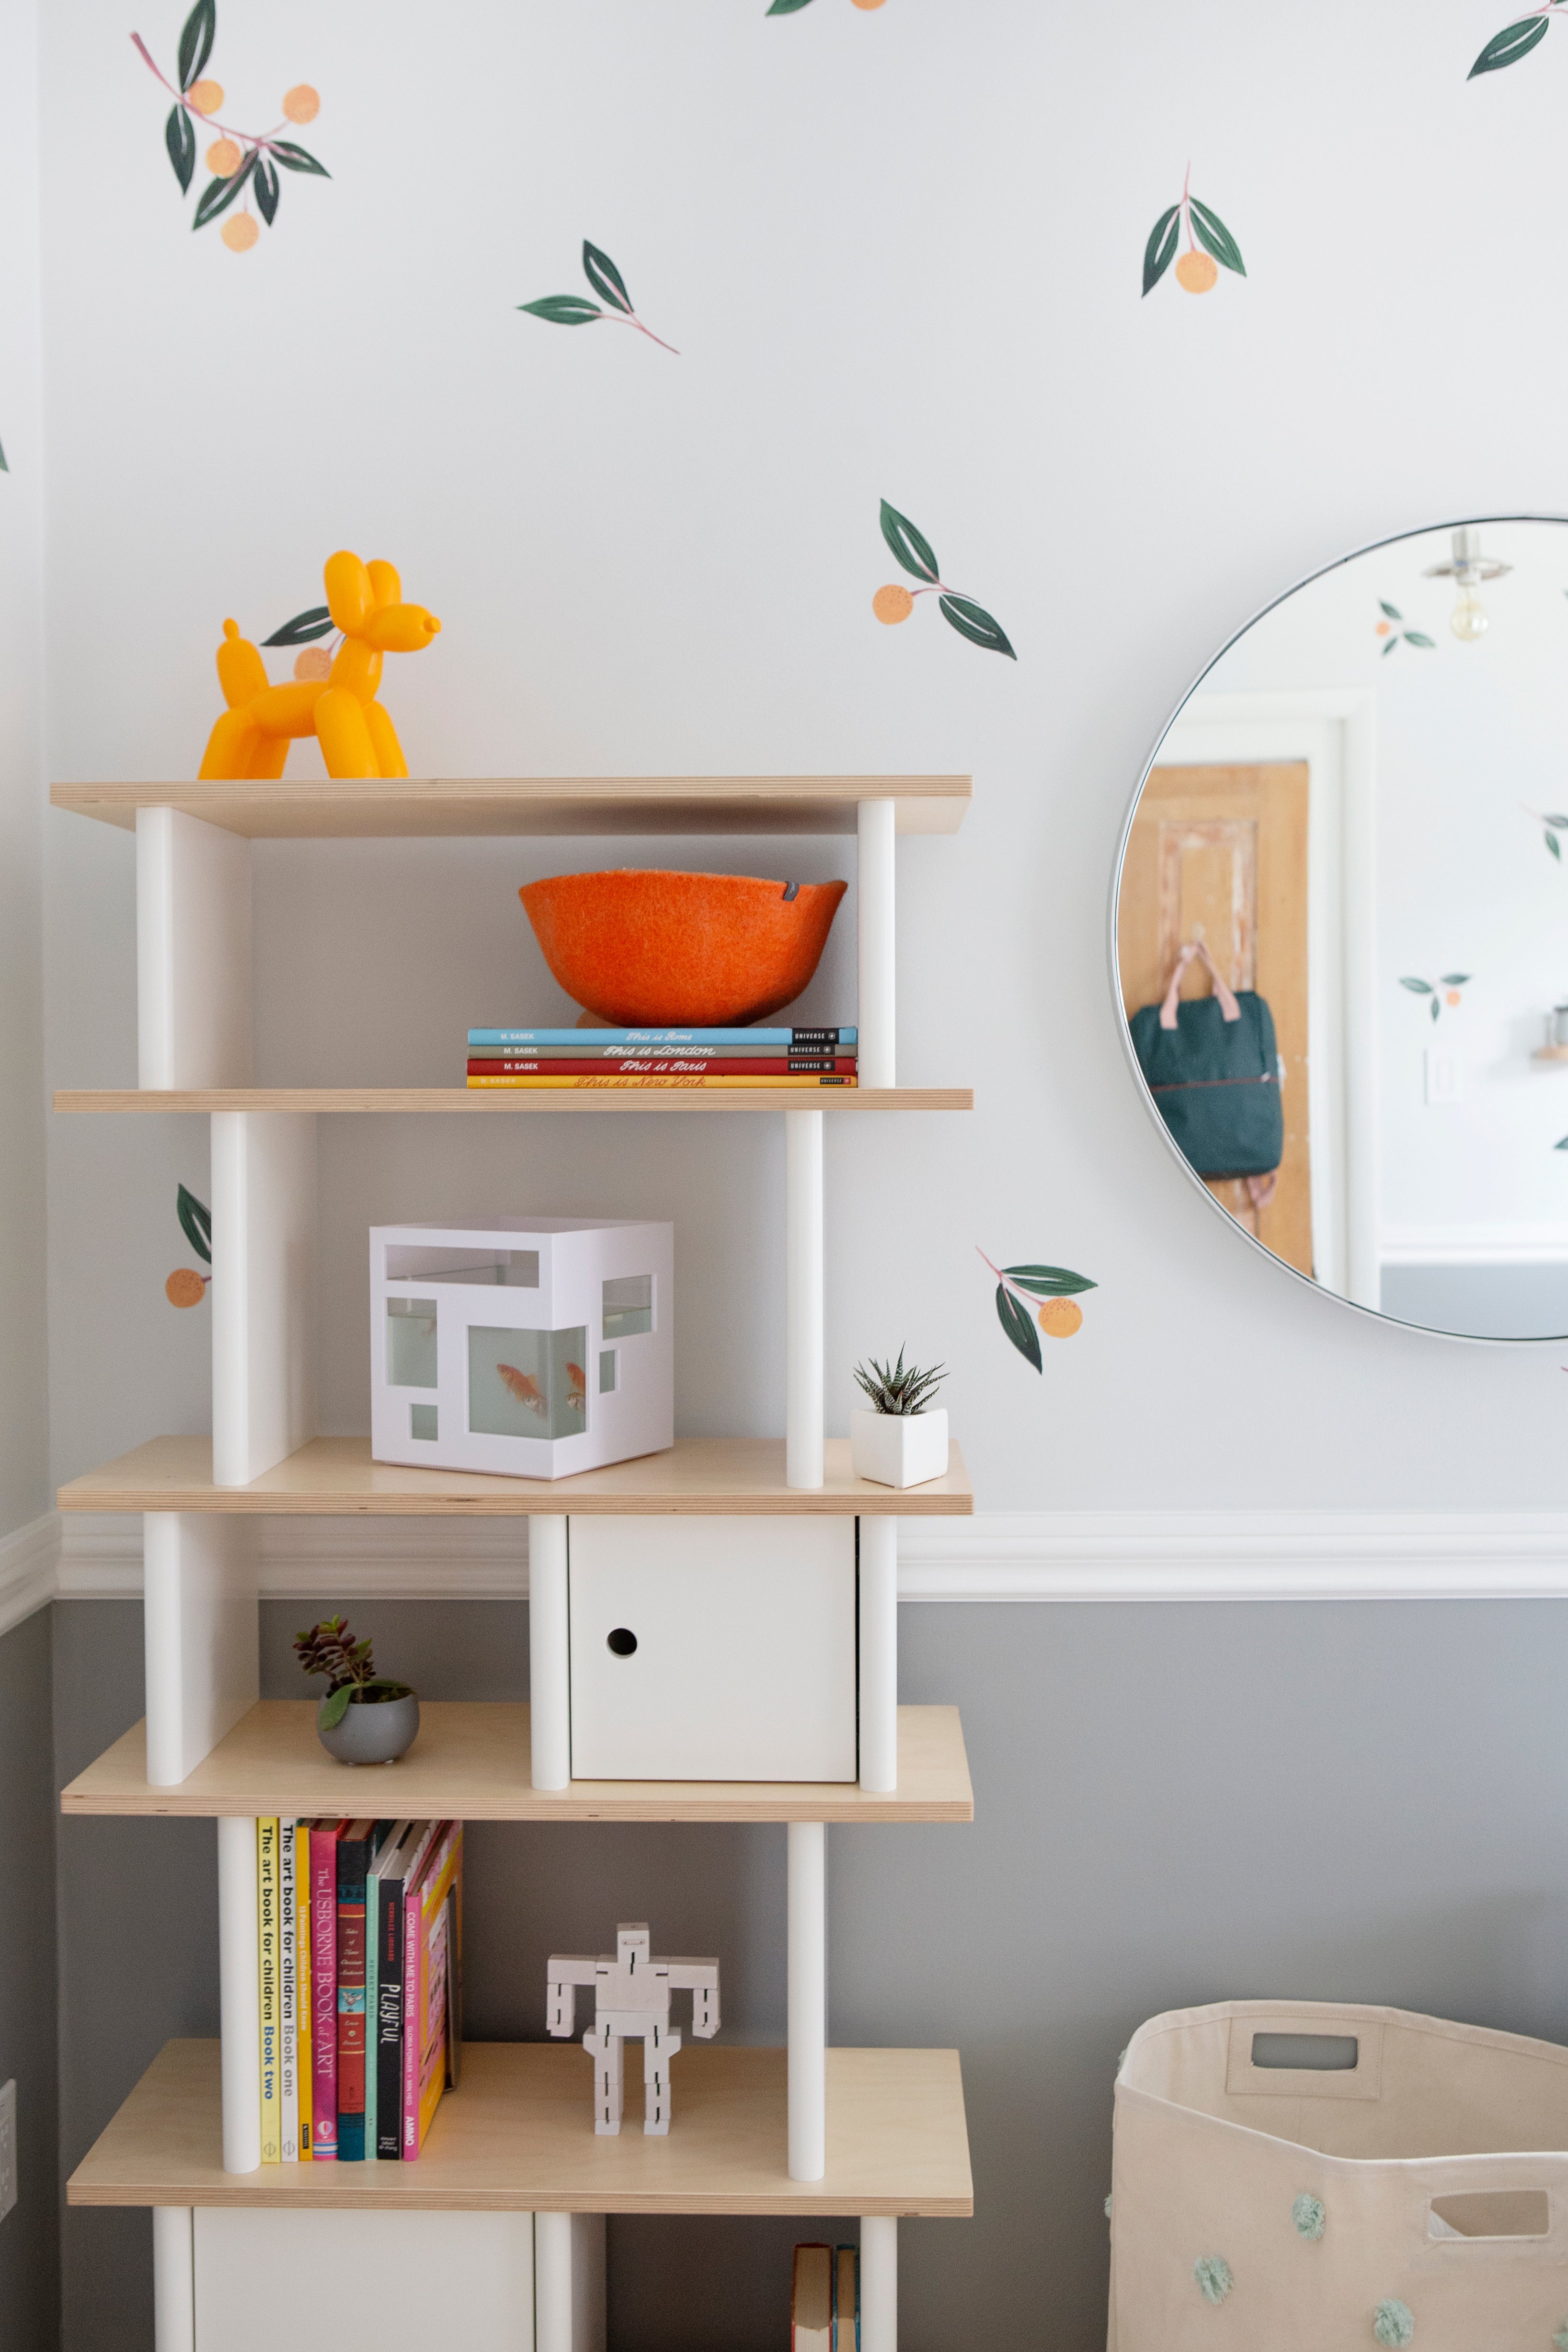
(7, 2148)
(1445, 1075)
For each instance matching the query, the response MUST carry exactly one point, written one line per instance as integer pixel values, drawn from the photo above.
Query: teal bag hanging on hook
(1213, 1068)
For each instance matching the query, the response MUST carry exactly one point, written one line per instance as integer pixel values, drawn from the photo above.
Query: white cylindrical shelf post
(173, 2280)
(879, 2283)
(874, 918)
(549, 1656)
(879, 1653)
(808, 1941)
(239, 1994)
(803, 1297)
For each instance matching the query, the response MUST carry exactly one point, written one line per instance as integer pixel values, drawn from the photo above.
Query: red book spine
(324, 1995)
(413, 2015)
(693, 1065)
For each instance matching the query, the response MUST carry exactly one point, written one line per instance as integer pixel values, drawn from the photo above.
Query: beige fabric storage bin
(1438, 2160)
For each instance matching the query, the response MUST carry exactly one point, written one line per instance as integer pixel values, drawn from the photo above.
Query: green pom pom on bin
(1309, 2217)
(1394, 2323)
(1212, 2273)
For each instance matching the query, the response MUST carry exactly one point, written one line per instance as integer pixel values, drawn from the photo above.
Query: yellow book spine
(302, 1832)
(670, 1085)
(266, 1929)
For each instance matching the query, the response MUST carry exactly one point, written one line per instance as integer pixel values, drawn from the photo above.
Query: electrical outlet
(1445, 1076)
(7, 2148)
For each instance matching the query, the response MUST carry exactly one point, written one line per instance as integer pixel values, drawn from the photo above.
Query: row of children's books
(360, 1949)
(663, 1057)
(824, 2301)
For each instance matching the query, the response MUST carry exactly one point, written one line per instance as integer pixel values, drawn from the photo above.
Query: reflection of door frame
(1335, 731)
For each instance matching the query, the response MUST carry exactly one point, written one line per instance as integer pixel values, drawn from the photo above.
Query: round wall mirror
(1340, 929)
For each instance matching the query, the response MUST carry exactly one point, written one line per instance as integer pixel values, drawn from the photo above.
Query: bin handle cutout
(1316, 2054)
(1489, 2213)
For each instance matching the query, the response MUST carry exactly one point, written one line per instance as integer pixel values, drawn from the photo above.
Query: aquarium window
(607, 1371)
(628, 1305)
(526, 1384)
(410, 1343)
(424, 1420)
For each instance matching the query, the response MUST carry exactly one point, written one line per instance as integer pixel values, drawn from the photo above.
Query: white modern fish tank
(535, 1347)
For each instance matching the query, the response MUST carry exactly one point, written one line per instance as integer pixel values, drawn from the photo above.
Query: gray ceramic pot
(378, 1734)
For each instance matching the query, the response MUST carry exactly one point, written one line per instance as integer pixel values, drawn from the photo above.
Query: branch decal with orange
(241, 163)
(577, 310)
(1196, 272)
(894, 604)
(1021, 1291)
(1445, 991)
(1393, 631)
(1516, 41)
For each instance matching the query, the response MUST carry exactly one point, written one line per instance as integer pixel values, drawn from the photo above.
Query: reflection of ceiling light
(1468, 570)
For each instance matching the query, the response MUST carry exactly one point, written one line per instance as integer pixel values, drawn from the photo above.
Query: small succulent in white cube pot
(365, 1718)
(901, 1441)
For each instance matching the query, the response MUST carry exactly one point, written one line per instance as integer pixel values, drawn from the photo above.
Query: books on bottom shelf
(360, 1936)
(663, 1057)
(824, 2300)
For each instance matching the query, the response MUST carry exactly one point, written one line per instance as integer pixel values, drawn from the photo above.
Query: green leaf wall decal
(1216, 239)
(304, 627)
(1507, 47)
(972, 621)
(295, 158)
(219, 194)
(604, 278)
(1048, 1281)
(1019, 1325)
(267, 192)
(913, 553)
(564, 310)
(1161, 246)
(195, 1223)
(197, 41)
(181, 140)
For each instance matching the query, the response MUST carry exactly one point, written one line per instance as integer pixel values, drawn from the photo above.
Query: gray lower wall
(1173, 1804)
(29, 2236)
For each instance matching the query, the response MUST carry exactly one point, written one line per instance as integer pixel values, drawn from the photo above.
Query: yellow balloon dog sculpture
(357, 737)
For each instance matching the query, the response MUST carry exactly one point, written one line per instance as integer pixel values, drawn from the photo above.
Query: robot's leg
(660, 2044)
(605, 2049)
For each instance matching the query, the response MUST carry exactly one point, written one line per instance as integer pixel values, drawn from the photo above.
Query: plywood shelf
(338, 808)
(504, 1100)
(518, 2138)
(334, 1477)
(470, 1763)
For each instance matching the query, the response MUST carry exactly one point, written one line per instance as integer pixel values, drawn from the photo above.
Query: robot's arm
(700, 1978)
(563, 1973)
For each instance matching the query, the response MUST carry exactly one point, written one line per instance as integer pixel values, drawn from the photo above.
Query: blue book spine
(593, 1040)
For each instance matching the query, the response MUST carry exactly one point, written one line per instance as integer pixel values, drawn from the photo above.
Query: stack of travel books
(662, 1057)
(360, 1949)
(824, 2302)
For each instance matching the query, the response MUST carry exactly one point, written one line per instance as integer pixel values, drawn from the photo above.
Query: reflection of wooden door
(1220, 854)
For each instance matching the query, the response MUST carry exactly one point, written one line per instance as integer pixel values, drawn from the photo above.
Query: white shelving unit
(808, 2131)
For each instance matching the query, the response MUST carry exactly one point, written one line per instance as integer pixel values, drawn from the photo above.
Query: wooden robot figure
(632, 2000)
(357, 737)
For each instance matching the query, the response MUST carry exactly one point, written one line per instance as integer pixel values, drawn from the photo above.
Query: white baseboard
(1236, 1556)
(28, 1562)
(1021, 1556)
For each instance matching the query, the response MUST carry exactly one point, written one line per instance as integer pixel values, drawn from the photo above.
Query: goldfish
(524, 1388)
(577, 1389)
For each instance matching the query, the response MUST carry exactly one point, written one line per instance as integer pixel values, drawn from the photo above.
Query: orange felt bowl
(687, 950)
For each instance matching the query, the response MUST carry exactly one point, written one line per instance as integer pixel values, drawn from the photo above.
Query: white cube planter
(899, 1449)
(532, 1346)
(713, 1649)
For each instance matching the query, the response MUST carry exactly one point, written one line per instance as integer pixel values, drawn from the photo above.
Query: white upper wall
(899, 253)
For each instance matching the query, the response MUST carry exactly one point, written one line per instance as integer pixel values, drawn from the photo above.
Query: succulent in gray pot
(365, 1718)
